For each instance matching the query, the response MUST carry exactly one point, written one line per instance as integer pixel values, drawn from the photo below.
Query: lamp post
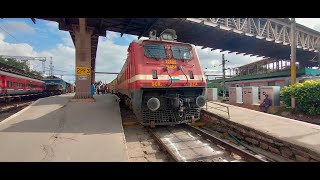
(293, 59)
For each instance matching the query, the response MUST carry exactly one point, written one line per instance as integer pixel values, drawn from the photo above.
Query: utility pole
(51, 67)
(61, 78)
(223, 78)
(293, 59)
(43, 66)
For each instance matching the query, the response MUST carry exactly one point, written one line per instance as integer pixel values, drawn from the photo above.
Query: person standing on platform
(92, 90)
(264, 106)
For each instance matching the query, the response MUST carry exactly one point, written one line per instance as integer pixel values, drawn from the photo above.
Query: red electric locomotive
(161, 80)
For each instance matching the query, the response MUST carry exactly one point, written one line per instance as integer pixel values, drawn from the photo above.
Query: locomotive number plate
(82, 71)
(193, 84)
(171, 63)
(156, 84)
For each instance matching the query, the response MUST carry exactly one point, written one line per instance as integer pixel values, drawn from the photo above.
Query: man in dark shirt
(265, 104)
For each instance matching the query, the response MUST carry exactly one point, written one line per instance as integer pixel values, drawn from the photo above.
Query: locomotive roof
(159, 41)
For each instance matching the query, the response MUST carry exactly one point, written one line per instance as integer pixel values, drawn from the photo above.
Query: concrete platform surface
(55, 129)
(289, 130)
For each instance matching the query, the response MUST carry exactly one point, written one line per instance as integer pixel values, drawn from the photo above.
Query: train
(15, 82)
(161, 80)
(18, 83)
(70, 88)
(55, 85)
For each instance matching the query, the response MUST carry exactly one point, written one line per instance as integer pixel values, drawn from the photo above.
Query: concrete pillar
(83, 59)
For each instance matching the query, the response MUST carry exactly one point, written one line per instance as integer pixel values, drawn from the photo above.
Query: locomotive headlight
(200, 101)
(153, 104)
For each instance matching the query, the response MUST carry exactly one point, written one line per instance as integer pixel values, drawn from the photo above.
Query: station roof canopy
(198, 34)
(260, 62)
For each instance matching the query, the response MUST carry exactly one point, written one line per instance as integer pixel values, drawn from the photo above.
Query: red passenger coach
(162, 80)
(16, 82)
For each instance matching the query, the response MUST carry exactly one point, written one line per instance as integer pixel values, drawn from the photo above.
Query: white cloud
(313, 23)
(1, 36)
(63, 56)
(66, 39)
(110, 58)
(212, 60)
(21, 49)
(51, 24)
(15, 27)
(317, 27)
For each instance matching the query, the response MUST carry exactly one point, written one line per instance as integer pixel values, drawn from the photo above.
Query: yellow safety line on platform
(130, 123)
(198, 124)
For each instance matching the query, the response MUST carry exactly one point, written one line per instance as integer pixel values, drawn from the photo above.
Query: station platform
(57, 129)
(288, 130)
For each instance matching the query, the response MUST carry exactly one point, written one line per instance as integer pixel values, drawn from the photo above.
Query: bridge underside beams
(198, 34)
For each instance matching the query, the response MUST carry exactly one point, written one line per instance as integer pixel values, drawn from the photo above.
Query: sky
(20, 37)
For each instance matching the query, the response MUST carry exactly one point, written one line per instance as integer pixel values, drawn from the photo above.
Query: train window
(181, 52)
(191, 75)
(9, 84)
(154, 74)
(156, 51)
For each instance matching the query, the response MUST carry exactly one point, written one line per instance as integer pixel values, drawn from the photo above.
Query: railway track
(13, 105)
(8, 109)
(186, 143)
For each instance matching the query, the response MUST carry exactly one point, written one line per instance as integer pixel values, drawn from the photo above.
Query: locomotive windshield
(156, 51)
(181, 52)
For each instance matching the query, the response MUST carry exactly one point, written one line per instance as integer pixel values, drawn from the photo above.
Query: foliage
(19, 65)
(307, 96)
(15, 63)
(36, 73)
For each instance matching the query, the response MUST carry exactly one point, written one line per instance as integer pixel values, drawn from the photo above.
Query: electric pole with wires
(224, 77)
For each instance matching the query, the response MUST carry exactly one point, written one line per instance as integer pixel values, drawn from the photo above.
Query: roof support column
(83, 59)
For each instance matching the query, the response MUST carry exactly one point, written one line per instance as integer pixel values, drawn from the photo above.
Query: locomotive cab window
(156, 51)
(181, 52)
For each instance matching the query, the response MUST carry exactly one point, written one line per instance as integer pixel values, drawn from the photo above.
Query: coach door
(130, 69)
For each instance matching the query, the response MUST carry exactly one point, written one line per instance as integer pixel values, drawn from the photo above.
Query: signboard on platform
(82, 71)
(82, 77)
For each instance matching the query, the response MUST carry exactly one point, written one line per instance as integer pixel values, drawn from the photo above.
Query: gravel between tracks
(140, 145)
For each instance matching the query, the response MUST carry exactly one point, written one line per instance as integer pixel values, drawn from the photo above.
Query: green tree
(307, 96)
(36, 73)
(19, 65)
(15, 63)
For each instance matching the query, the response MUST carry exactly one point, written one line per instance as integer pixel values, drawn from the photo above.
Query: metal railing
(218, 107)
